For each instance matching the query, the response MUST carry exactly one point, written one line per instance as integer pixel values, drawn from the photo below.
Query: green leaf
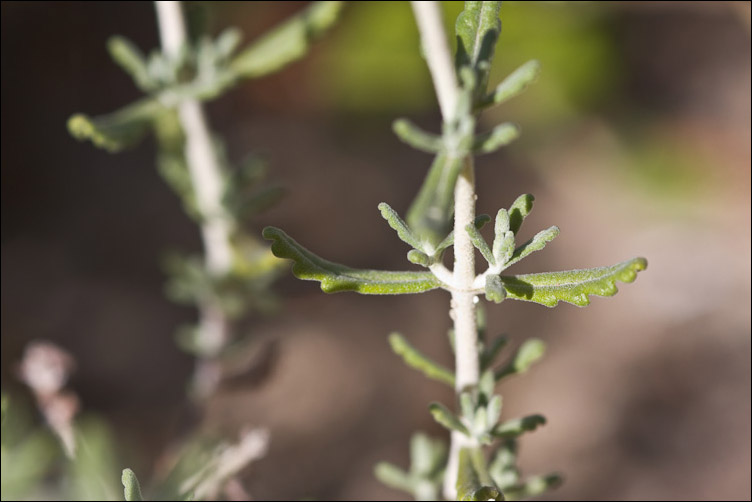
(494, 289)
(473, 480)
(480, 243)
(537, 243)
(419, 258)
(573, 286)
(403, 231)
(393, 477)
(533, 486)
(478, 27)
(416, 137)
(515, 428)
(286, 43)
(118, 130)
(416, 360)
(519, 210)
(503, 244)
(430, 215)
(514, 84)
(130, 59)
(335, 278)
(499, 136)
(446, 418)
(131, 486)
(528, 353)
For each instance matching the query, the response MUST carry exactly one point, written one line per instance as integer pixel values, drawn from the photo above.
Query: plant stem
(467, 372)
(208, 186)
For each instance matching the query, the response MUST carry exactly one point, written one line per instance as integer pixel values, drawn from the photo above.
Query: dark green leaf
(573, 286)
(335, 278)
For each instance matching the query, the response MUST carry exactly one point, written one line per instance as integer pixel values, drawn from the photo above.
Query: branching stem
(208, 186)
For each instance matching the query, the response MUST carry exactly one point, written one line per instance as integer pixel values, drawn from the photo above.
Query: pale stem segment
(208, 185)
(467, 372)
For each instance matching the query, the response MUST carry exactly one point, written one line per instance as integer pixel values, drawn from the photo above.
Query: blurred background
(635, 142)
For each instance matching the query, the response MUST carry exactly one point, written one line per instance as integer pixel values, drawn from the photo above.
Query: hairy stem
(207, 181)
(467, 371)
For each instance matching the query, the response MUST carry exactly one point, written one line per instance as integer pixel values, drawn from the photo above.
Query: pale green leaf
(532, 487)
(398, 225)
(416, 137)
(130, 59)
(393, 477)
(446, 418)
(491, 351)
(479, 222)
(477, 28)
(537, 243)
(287, 42)
(335, 278)
(499, 136)
(118, 130)
(572, 286)
(528, 353)
(430, 214)
(494, 289)
(480, 243)
(514, 84)
(516, 427)
(132, 489)
(519, 210)
(417, 360)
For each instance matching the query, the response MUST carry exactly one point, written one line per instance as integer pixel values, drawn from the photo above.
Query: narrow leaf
(494, 410)
(473, 480)
(528, 353)
(416, 137)
(417, 360)
(430, 215)
(287, 42)
(499, 136)
(514, 84)
(393, 477)
(403, 231)
(519, 210)
(533, 486)
(515, 428)
(503, 468)
(130, 59)
(573, 286)
(118, 130)
(132, 489)
(446, 418)
(480, 243)
(537, 243)
(335, 278)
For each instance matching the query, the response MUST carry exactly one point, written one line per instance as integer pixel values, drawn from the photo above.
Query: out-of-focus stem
(208, 185)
